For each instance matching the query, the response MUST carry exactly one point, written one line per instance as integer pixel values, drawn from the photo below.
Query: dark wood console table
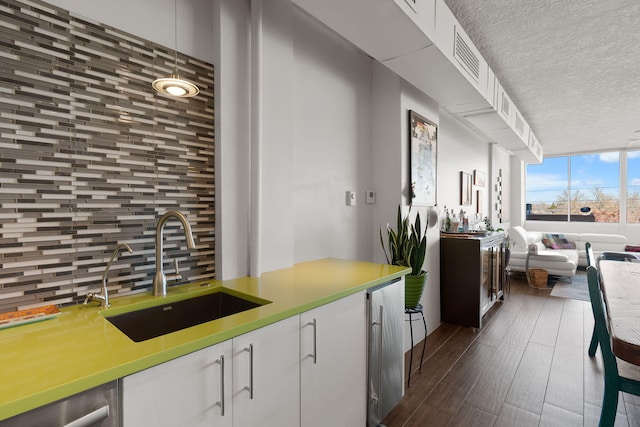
(472, 276)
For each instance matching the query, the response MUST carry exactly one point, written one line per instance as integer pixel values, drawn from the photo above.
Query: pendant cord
(175, 34)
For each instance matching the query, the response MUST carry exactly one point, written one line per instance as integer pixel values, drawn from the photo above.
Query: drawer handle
(91, 418)
(315, 340)
(249, 388)
(378, 395)
(221, 401)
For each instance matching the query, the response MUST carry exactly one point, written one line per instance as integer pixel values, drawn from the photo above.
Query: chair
(613, 381)
(591, 260)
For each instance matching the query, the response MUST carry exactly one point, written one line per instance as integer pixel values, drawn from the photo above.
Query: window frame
(567, 216)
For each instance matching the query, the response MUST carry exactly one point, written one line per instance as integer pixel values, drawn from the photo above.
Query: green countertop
(79, 349)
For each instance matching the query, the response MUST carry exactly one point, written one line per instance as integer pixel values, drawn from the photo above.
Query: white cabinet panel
(333, 372)
(456, 45)
(182, 392)
(382, 28)
(266, 376)
(505, 107)
(422, 12)
(491, 87)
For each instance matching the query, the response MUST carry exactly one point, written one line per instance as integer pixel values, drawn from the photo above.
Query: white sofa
(561, 261)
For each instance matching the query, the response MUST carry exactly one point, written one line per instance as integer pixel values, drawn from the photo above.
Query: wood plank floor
(528, 366)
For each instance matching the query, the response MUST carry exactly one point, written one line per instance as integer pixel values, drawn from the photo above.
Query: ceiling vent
(465, 56)
(519, 124)
(505, 105)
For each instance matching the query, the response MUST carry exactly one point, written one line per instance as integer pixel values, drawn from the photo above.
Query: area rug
(578, 288)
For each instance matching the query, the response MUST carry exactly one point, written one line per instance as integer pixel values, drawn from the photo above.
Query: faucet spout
(159, 279)
(103, 295)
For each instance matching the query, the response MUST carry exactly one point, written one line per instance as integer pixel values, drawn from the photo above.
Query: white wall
(276, 136)
(232, 142)
(413, 99)
(332, 150)
(461, 150)
(387, 157)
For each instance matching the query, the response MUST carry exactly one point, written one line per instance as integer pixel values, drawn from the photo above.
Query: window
(575, 188)
(546, 183)
(633, 186)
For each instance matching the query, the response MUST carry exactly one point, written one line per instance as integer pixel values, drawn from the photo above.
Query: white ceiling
(571, 67)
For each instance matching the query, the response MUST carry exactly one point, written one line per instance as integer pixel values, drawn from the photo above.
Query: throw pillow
(558, 241)
(632, 248)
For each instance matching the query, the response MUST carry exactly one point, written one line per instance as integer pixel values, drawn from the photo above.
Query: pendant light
(174, 85)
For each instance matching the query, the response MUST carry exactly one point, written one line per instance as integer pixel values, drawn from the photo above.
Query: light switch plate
(351, 198)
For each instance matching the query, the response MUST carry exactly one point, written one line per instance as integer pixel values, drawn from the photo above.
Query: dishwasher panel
(97, 407)
(386, 349)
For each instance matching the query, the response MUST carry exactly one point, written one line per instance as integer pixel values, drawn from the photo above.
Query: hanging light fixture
(174, 85)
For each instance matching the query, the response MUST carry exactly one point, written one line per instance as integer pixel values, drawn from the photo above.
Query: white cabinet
(307, 370)
(260, 373)
(186, 391)
(333, 372)
(266, 376)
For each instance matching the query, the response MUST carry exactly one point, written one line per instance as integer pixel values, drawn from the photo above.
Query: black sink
(147, 323)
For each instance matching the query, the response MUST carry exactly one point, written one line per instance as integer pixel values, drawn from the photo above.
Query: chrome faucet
(160, 280)
(103, 295)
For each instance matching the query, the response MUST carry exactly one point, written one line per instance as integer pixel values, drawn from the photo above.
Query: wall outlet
(351, 198)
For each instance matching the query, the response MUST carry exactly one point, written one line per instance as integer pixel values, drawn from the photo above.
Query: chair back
(602, 331)
(591, 259)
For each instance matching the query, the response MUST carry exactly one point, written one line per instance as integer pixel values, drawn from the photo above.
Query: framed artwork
(423, 141)
(479, 201)
(479, 178)
(466, 194)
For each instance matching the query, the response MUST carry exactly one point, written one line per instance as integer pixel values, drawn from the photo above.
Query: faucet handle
(92, 296)
(88, 298)
(176, 276)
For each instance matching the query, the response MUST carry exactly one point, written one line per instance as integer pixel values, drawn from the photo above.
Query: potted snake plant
(407, 246)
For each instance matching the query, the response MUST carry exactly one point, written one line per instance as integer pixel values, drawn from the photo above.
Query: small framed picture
(479, 178)
(466, 192)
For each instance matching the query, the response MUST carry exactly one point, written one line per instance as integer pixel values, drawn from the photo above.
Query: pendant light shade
(174, 85)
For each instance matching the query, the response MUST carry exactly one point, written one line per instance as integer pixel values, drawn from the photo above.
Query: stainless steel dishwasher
(386, 349)
(97, 407)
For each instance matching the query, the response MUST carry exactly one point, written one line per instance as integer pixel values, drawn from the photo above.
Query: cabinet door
(266, 376)
(186, 391)
(486, 278)
(333, 373)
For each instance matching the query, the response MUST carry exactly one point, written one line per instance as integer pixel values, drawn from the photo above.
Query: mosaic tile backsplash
(91, 156)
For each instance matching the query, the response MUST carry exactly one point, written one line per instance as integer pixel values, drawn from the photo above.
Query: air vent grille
(519, 125)
(505, 105)
(465, 56)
